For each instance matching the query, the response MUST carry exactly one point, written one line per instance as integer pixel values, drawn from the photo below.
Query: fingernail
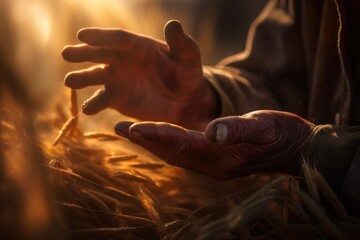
(118, 131)
(221, 132)
(173, 28)
(121, 130)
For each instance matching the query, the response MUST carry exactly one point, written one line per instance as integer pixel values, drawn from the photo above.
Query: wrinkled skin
(261, 141)
(157, 81)
(143, 78)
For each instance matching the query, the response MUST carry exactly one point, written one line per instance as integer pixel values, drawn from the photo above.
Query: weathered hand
(261, 141)
(143, 77)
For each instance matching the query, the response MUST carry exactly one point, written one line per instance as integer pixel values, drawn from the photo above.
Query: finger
(154, 132)
(239, 129)
(96, 103)
(86, 53)
(89, 77)
(122, 128)
(111, 38)
(161, 133)
(173, 144)
(182, 47)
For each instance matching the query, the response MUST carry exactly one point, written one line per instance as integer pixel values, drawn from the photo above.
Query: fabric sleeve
(334, 152)
(271, 72)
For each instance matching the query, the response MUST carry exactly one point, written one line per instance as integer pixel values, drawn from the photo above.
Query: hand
(143, 77)
(261, 141)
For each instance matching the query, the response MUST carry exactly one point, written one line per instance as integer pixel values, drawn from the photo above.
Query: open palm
(260, 141)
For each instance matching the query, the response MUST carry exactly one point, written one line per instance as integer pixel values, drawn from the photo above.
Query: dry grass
(85, 187)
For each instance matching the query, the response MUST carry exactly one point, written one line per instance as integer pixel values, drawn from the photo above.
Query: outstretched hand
(143, 77)
(261, 141)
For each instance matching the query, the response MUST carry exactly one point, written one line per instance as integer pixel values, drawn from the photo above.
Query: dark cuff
(331, 151)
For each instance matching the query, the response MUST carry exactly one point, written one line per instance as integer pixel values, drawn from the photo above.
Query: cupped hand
(260, 141)
(143, 77)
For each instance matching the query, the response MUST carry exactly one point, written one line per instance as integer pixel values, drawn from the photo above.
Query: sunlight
(35, 15)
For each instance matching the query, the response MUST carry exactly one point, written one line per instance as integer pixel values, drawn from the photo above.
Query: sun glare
(35, 15)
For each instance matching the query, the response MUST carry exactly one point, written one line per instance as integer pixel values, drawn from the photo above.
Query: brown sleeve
(239, 91)
(270, 73)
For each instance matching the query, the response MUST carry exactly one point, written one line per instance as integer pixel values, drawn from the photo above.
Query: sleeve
(335, 152)
(271, 72)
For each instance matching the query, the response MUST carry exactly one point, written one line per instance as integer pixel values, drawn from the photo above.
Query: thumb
(240, 129)
(182, 47)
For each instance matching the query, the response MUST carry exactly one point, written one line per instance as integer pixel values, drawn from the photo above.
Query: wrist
(202, 109)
